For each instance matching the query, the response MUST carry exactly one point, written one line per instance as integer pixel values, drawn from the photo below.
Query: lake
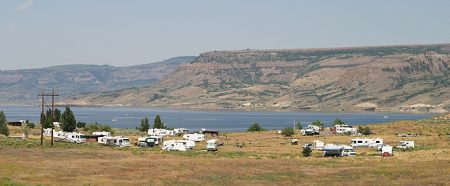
(124, 117)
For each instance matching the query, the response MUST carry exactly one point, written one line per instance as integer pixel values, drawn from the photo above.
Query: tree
(157, 123)
(288, 131)
(338, 122)
(68, 122)
(298, 126)
(81, 124)
(3, 126)
(306, 152)
(57, 115)
(48, 119)
(317, 123)
(255, 127)
(144, 125)
(364, 130)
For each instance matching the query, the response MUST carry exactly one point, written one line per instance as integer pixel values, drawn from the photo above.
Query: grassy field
(265, 159)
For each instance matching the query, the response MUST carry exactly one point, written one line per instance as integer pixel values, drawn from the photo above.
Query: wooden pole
(42, 119)
(53, 112)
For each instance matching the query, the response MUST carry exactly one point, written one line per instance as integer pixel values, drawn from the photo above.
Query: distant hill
(387, 78)
(22, 86)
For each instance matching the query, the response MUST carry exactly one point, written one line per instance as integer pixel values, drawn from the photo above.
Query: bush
(81, 124)
(364, 130)
(255, 127)
(30, 125)
(97, 127)
(298, 126)
(338, 122)
(317, 123)
(288, 131)
(306, 152)
(3, 126)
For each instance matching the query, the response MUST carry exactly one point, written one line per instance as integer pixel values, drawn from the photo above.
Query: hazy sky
(40, 33)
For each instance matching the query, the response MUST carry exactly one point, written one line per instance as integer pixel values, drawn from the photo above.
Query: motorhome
(161, 132)
(365, 142)
(406, 144)
(387, 150)
(194, 137)
(310, 130)
(178, 145)
(102, 133)
(338, 151)
(146, 142)
(75, 137)
(211, 145)
(344, 129)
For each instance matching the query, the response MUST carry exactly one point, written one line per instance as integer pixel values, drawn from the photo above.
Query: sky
(42, 33)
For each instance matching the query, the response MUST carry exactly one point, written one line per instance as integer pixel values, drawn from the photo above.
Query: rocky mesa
(385, 78)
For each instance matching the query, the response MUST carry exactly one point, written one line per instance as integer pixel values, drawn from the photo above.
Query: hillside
(388, 78)
(22, 86)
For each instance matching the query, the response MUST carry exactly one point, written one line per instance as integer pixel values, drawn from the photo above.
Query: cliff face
(22, 86)
(388, 78)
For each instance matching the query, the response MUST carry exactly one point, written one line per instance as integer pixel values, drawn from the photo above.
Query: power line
(43, 95)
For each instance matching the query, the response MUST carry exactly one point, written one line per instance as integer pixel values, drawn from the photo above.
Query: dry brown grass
(266, 159)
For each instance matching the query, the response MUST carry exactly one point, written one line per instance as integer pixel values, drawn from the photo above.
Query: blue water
(123, 117)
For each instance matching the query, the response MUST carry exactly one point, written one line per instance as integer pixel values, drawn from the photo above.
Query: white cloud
(24, 5)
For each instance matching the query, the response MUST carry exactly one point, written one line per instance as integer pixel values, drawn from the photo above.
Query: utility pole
(43, 95)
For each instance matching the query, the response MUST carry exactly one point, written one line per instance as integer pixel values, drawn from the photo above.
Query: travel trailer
(194, 137)
(406, 144)
(178, 145)
(161, 132)
(387, 150)
(146, 142)
(338, 151)
(318, 144)
(102, 133)
(365, 142)
(180, 131)
(310, 130)
(211, 145)
(75, 137)
(158, 139)
(114, 141)
(344, 129)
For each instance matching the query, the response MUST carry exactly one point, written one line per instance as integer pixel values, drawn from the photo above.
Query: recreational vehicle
(158, 139)
(161, 132)
(387, 150)
(114, 141)
(75, 137)
(194, 137)
(365, 142)
(310, 130)
(178, 145)
(318, 144)
(211, 145)
(180, 131)
(406, 144)
(102, 133)
(344, 129)
(338, 151)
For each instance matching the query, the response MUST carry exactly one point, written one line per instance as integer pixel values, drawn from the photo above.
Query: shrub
(364, 130)
(338, 122)
(298, 126)
(255, 127)
(30, 125)
(306, 152)
(317, 123)
(3, 126)
(288, 131)
(97, 127)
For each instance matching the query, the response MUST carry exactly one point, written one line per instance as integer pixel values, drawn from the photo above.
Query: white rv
(365, 142)
(406, 144)
(310, 130)
(194, 137)
(75, 137)
(178, 145)
(338, 150)
(102, 133)
(114, 141)
(318, 144)
(343, 129)
(161, 132)
(211, 145)
(180, 131)
(387, 150)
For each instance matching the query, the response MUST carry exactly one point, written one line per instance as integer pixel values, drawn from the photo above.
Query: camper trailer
(318, 144)
(114, 141)
(161, 132)
(178, 145)
(406, 144)
(211, 145)
(146, 142)
(338, 151)
(387, 150)
(344, 129)
(102, 133)
(194, 137)
(365, 142)
(310, 130)
(75, 137)
(180, 131)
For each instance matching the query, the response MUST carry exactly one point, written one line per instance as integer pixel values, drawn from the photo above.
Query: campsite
(250, 158)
